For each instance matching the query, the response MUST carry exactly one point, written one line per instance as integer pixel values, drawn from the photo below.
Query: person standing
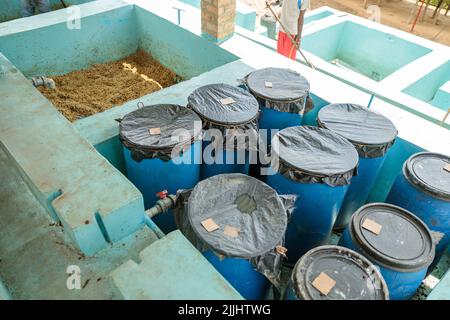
(292, 17)
(31, 7)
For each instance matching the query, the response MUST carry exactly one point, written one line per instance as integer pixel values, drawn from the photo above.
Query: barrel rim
(416, 264)
(133, 145)
(203, 117)
(226, 254)
(311, 172)
(301, 267)
(272, 99)
(354, 141)
(408, 173)
(365, 144)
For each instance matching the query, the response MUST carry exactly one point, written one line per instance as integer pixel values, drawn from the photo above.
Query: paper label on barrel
(372, 226)
(210, 225)
(324, 283)
(281, 250)
(268, 84)
(226, 101)
(447, 167)
(231, 231)
(154, 131)
(437, 236)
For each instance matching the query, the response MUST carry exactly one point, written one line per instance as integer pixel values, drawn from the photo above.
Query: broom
(294, 43)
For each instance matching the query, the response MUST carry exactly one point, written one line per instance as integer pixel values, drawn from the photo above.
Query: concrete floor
(34, 253)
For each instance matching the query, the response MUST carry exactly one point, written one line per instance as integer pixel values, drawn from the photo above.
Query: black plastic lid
(404, 242)
(426, 171)
(241, 202)
(356, 277)
(286, 85)
(209, 103)
(358, 124)
(164, 120)
(315, 150)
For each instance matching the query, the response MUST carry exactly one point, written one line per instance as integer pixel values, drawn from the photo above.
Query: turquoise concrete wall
(11, 9)
(55, 49)
(442, 289)
(171, 268)
(426, 87)
(367, 50)
(442, 97)
(184, 52)
(245, 17)
(317, 16)
(246, 20)
(324, 43)
(111, 149)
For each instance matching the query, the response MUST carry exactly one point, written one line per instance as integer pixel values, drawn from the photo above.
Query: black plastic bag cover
(207, 101)
(314, 155)
(287, 85)
(248, 140)
(356, 277)
(166, 118)
(230, 119)
(289, 91)
(426, 171)
(371, 133)
(405, 243)
(238, 201)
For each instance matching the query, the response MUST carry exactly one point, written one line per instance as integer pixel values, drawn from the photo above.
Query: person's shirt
(289, 14)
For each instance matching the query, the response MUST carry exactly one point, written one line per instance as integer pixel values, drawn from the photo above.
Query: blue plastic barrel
(424, 189)
(395, 240)
(237, 222)
(161, 153)
(317, 165)
(355, 277)
(229, 115)
(372, 134)
(282, 96)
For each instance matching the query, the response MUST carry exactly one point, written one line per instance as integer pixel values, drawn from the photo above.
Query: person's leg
(27, 8)
(43, 5)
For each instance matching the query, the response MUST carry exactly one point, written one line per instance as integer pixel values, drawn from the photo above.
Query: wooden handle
(294, 43)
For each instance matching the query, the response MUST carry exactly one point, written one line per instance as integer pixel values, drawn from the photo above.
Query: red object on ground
(162, 194)
(285, 46)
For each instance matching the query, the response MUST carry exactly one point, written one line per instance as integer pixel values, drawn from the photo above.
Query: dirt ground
(85, 92)
(394, 13)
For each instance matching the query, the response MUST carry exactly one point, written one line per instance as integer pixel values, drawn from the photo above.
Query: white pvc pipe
(43, 82)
